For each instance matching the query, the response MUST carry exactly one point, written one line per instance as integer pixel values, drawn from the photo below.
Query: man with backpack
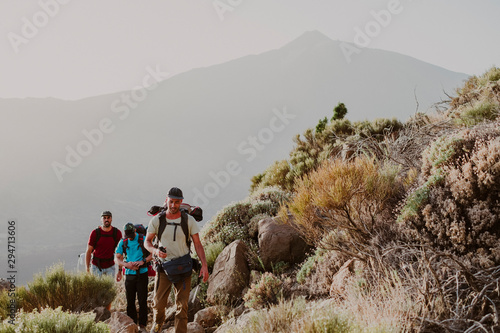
(101, 247)
(173, 254)
(131, 254)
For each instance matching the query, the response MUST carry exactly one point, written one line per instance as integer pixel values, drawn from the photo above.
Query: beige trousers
(162, 292)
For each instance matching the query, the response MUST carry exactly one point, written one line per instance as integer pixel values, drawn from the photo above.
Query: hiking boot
(155, 329)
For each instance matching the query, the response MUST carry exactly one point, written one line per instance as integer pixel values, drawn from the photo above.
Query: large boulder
(230, 274)
(280, 242)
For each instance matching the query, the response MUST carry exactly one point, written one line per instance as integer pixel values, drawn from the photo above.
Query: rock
(194, 327)
(340, 278)
(119, 322)
(236, 324)
(210, 316)
(230, 274)
(280, 242)
(170, 313)
(191, 328)
(101, 314)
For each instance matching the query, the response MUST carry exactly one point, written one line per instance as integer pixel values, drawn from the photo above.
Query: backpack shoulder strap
(163, 224)
(97, 236)
(185, 228)
(145, 253)
(125, 247)
(115, 234)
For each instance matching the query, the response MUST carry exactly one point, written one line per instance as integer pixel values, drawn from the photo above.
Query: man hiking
(101, 247)
(131, 254)
(173, 254)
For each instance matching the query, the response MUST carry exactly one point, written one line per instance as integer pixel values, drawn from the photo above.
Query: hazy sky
(73, 49)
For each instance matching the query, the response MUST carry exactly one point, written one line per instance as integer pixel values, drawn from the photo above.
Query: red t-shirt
(105, 247)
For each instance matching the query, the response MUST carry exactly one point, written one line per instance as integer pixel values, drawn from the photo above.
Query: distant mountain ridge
(207, 131)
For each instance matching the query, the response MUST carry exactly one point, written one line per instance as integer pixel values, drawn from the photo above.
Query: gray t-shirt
(176, 248)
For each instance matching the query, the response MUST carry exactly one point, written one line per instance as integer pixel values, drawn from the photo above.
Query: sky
(72, 49)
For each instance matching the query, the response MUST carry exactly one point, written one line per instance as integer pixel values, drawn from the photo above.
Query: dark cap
(106, 213)
(175, 193)
(129, 229)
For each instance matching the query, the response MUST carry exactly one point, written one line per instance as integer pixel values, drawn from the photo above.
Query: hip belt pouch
(179, 268)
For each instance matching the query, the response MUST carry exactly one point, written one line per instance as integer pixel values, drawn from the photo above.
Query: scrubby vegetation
(412, 207)
(267, 291)
(347, 207)
(317, 146)
(239, 221)
(63, 290)
(54, 320)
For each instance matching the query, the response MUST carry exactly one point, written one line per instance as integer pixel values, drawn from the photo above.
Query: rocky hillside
(375, 226)
(370, 226)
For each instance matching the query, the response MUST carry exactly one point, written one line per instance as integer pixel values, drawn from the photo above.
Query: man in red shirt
(101, 247)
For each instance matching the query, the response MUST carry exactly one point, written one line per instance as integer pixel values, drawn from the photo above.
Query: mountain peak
(310, 38)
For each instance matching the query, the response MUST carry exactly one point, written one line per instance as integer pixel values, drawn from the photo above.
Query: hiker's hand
(119, 275)
(132, 265)
(204, 273)
(161, 254)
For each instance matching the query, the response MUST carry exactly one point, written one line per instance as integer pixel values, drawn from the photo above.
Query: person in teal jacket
(131, 254)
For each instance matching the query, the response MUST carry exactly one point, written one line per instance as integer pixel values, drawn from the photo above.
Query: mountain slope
(207, 131)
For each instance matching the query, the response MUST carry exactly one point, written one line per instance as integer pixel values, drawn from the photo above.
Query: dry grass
(346, 206)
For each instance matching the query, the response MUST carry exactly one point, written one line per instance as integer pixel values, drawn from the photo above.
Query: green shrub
(339, 128)
(479, 112)
(316, 146)
(5, 303)
(320, 127)
(339, 112)
(264, 293)
(477, 91)
(275, 175)
(377, 128)
(308, 265)
(212, 251)
(82, 292)
(234, 221)
(492, 75)
(53, 321)
(254, 260)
